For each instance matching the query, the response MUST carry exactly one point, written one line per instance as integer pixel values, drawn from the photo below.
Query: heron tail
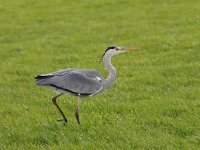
(43, 80)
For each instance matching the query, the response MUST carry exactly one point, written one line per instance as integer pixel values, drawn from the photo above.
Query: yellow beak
(132, 49)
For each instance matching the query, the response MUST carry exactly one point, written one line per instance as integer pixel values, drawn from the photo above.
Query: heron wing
(92, 74)
(76, 81)
(57, 73)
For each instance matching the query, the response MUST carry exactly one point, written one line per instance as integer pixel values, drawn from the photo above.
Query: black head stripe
(110, 47)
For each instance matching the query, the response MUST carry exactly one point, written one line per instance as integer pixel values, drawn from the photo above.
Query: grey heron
(81, 82)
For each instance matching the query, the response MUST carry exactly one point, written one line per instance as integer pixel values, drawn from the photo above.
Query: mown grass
(155, 102)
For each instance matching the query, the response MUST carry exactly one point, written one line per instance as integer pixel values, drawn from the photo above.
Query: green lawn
(155, 103)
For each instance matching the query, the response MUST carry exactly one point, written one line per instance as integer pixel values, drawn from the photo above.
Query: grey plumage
(81, 82)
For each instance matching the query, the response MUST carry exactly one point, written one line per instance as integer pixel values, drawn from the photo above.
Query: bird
(81, 82)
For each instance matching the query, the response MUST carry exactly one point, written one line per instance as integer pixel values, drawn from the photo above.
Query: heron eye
(117, 49)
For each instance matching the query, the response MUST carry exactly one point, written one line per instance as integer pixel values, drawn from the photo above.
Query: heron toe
(64, 119)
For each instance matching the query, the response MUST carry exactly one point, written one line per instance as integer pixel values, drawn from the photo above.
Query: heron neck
(112, 72)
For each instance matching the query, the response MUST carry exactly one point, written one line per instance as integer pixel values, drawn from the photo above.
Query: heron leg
(77, 109)
(54, 101)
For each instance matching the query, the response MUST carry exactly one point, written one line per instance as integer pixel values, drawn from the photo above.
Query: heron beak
(131, 49)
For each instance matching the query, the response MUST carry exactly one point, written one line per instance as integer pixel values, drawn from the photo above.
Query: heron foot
(64, 119)
(77, 118)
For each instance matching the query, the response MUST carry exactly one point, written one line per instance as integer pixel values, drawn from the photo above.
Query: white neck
(111, 69)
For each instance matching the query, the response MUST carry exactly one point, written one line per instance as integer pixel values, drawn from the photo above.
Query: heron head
(115, 50)
(118, 50)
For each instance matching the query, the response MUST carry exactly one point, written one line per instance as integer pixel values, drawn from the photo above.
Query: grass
(155, 102)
